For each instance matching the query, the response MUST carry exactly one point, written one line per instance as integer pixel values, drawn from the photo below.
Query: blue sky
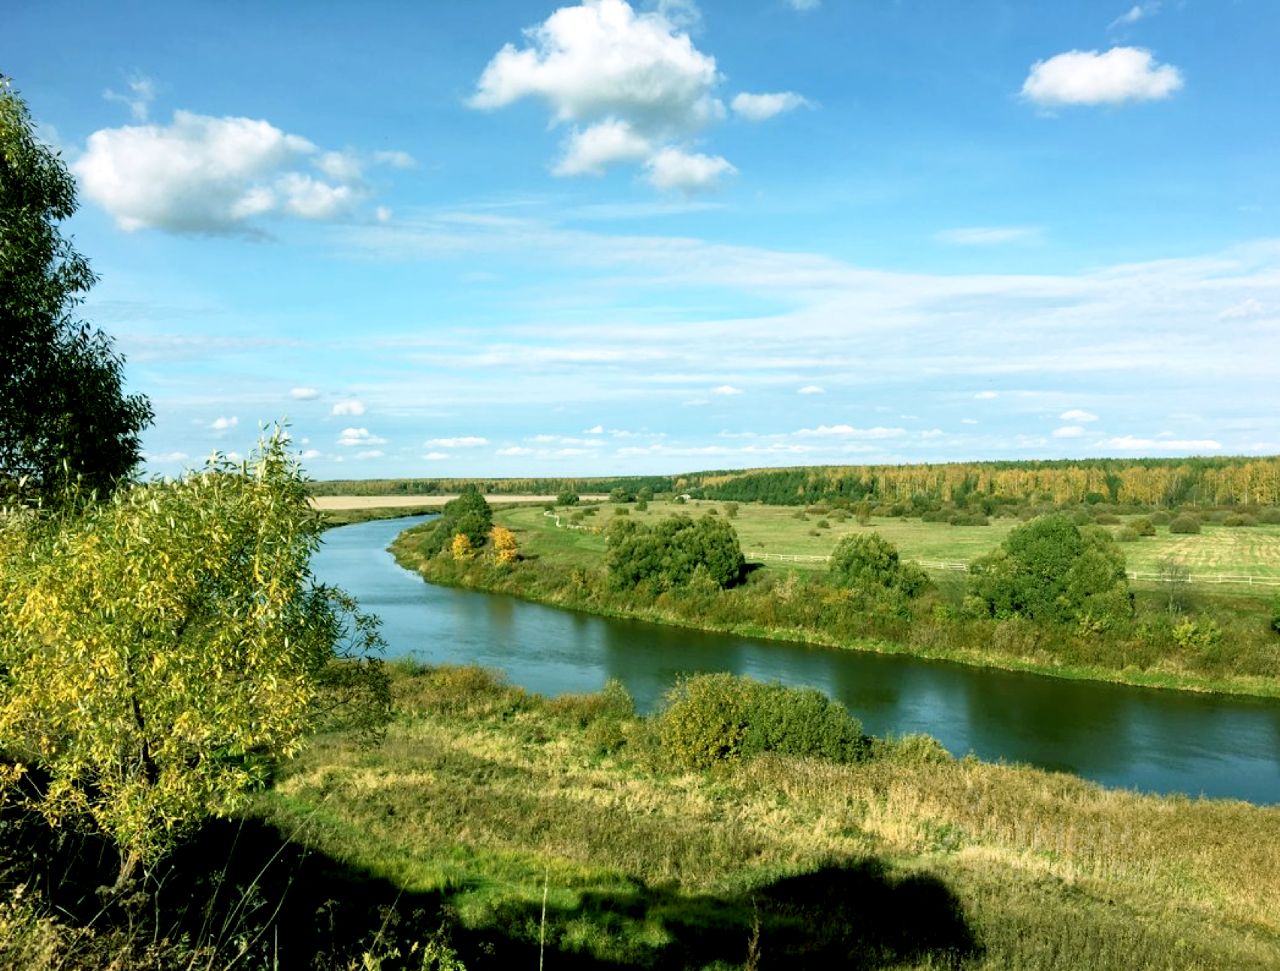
(501, 238)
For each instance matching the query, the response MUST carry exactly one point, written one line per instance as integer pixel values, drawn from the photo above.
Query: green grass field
(491, 801)
(1217, 550)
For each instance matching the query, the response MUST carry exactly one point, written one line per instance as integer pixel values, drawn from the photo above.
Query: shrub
(567, 498)
(1106, 519)
(469, 515)
(1142, 526)
(731, 510)
(642, 505)
(1185, 523)
(1161, 518)
(669, 553)
(1126, 534)
(612, 702)
(622, 511)
(714, 718)
(1269, 516)
(1239, 519)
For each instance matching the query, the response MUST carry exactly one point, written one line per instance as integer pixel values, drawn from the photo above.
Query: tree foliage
(468, 515)
(865, 561)
(1051, 570)
(672, 551)
(64, 416)
(159, 651)
(505, 548)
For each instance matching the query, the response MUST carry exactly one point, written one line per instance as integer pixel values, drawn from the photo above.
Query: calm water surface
(1157, 741)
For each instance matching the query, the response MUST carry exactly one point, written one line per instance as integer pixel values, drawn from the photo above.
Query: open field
(326, 503)
(485, 802)
(776, 531)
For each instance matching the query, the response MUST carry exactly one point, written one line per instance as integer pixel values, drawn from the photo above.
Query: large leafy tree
(161, 650)
(672, 551)
(1051, 570)
(64, 415)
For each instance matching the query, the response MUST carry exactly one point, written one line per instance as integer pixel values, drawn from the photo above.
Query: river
(1146, 739)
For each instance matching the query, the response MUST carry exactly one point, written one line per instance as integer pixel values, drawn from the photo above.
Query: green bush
(1239, 519)
(1185, 523)
(1127, 534)
(469, 514)
(865, 561)
(668, 553)
(1143, 526)
(1275, 614)
(567, 498)
(1269, 516)
(714, 718)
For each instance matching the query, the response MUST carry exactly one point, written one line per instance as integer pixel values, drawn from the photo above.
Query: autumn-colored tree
(505, 548)
(460, 547)
(159, 651)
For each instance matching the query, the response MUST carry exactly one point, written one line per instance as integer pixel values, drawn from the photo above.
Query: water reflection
(1145, 739)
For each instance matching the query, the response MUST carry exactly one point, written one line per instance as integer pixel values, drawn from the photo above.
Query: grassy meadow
(487, 808)
(1240, 551)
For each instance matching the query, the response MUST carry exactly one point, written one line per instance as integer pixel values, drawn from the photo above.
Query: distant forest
(1160, 483)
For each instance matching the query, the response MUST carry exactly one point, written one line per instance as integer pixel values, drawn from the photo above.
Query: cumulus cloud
(759, 107)
(310, 454)
(1078, 414)
(207, 175)
(848, 431)
(350, 408)
(352, 437)
(595, 430)
(465, 441)
(304, 394)
(166, 456)
(591, 151)
(632, 85)
(1092, 78)
(812, 389)
(222, 424)
(1068, 431)
(726, 389)
(987, 235)
(436, 456)
(672, 168)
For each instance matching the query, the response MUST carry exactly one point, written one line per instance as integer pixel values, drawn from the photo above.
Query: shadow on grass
(243, 886)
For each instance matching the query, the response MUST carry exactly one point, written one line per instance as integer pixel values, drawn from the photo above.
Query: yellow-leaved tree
(461, 548)
(505, 548)
(161, 650)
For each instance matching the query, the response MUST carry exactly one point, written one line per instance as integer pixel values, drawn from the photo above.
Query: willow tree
(64, 415)
(162, 650)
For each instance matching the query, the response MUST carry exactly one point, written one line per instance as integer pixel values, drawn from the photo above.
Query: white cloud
(372, 453)
(812, 389)
(222, 424)
(1134, 14)
(1068, 431)
(1243, 310)
(759, 107)
(436, 456)
(353, 408)
(201, 174)
(465, 441)
(304, 394)
(673, 168)
(595, 430)
(309, 454)
(987, 235)
(396, 159)
(1091, 78)
(516, 450)
(726, 389)
(602, 59)
(166, 456)
(632, 85)
(142, 91)
(1078, 414)
(848, 431)
(591, 151)
(968, 421)
(352, 437)
(986, 395)
(1130, 443)
(382, 214)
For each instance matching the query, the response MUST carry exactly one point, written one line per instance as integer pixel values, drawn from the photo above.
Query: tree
(672, 551)
(64, 416)
(621, 494)
(865, 561)
(1051, 570)
(468, 514)
(567, 498)
(505, 548)
(161, 650)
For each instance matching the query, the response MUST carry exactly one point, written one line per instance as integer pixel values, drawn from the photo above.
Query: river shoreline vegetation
(1169, 634)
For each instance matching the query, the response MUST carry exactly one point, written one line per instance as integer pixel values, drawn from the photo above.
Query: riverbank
(508, 820)
(798, 608)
